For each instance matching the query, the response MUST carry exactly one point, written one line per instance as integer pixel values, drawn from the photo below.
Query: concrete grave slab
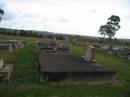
(67, 67)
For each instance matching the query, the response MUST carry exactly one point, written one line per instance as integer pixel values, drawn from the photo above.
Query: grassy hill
(25, 83)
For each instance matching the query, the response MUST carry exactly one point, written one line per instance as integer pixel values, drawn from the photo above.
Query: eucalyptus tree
(110, 28)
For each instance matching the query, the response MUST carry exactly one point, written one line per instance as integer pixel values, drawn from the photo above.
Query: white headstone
(89, 54)
(1, 63)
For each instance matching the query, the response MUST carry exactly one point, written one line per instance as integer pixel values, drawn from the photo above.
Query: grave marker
(1, 63)
(66, 43)
(90, 54)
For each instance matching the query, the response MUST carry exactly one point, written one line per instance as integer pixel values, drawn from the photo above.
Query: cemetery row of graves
(56, 63)
(55, 60)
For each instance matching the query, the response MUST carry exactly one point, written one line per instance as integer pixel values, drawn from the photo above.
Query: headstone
(90, 54)
(1, 63)
(66, 43)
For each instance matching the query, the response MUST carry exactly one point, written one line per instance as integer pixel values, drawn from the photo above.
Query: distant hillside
(47, 34)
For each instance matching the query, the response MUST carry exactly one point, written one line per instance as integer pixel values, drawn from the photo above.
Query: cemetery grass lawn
(25, 83)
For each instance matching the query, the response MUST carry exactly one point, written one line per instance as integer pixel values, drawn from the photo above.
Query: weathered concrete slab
(61, 67)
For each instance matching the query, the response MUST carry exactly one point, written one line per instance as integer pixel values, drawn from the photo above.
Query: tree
(110, 28)
(1, 14)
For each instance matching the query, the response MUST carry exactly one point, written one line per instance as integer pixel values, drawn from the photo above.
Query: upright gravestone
(90, 54)
(1, 63)
(66, 43)
(55, 46)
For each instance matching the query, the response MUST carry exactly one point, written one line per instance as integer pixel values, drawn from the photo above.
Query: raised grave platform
(71, 68)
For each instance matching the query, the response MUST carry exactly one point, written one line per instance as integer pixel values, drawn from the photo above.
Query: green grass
(120, 65)
(64, 91)
(25, 69)
(25, 83)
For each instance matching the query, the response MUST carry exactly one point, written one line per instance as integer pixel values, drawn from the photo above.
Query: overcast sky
(82, 17)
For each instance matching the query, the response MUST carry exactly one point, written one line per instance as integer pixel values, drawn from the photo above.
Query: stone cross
(1, 63)
(90, 54)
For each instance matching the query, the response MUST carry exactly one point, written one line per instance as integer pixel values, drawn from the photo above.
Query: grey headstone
(1, 63)
(66, 42)
(89, 54)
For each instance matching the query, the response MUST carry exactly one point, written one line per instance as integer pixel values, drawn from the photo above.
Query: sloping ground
(24, 81)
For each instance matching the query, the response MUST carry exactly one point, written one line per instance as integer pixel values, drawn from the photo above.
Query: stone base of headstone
(92, 61)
